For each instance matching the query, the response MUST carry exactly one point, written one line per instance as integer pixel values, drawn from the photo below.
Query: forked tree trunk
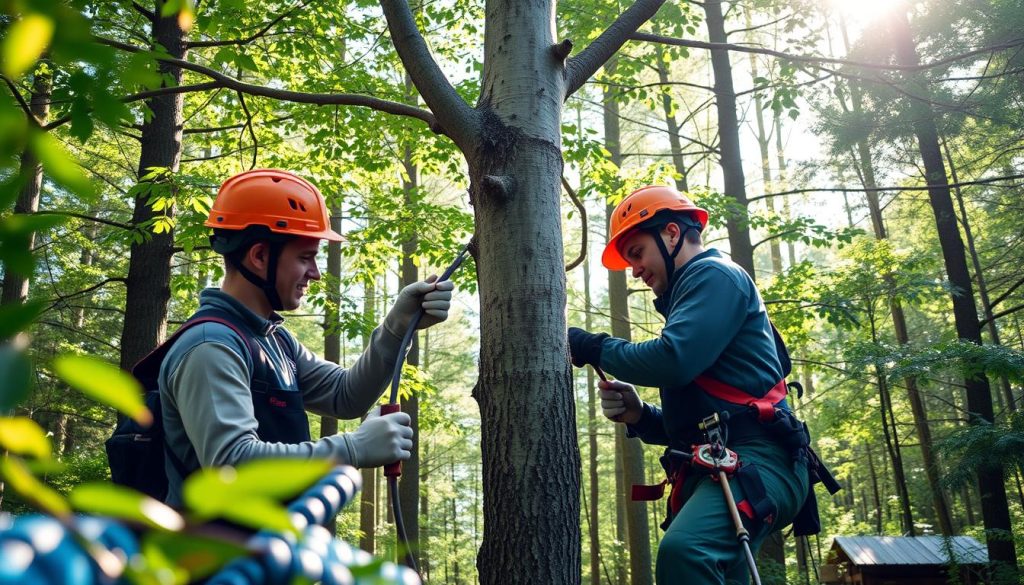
(531, 460)
(149, 269)
(512, 143)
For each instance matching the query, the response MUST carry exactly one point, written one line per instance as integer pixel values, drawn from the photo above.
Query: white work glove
(381, 439)
(434, 297)
(620, 402)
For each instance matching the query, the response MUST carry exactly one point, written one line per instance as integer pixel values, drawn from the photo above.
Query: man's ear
(671, 232)
(258, 258)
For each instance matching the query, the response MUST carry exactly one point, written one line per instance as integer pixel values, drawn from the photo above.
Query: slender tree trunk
(875, 492)
(638, 540)
(332, 334)
(15, 287)
(782, 183)
(368, 498)
(741, 250)
(149, 269)
(595, 492)
(979, 276)
(675, 146)
(531, 458)
(762, 143)
(995, 513)
(409, 484)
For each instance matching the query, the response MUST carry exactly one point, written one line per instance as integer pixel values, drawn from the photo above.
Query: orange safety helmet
(281, 201)
(638, 208)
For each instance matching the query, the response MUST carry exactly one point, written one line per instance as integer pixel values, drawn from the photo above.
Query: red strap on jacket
(765, 405)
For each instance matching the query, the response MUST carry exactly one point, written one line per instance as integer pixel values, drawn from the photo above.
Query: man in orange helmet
(235, 384)
(716, 335)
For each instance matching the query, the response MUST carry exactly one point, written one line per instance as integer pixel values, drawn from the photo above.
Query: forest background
(862, 160)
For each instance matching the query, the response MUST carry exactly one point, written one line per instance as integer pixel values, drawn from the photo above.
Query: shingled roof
(919, 550)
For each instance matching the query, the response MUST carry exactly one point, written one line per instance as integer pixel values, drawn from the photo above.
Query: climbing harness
(723, 462)
(393, 471)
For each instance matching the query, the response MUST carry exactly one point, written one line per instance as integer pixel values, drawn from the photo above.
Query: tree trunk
(866, 168)
(762, 143)
(149, 268)
(675, 146)
(781, 156)
(741, 250)
(15, 287)
(995, 513)
(979, 276)
(531, 458)
(638, 538)
(368, 498)
(409, 484)
(875, 492)
(595, 541)
(332, 334)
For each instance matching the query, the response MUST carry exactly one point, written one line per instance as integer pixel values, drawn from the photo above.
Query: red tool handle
(392, 469)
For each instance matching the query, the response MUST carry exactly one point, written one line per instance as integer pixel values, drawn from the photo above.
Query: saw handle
(392, 469)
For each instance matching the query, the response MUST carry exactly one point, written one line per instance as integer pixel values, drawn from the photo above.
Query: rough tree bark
(511, 141)
(994, 510)
(149, 269)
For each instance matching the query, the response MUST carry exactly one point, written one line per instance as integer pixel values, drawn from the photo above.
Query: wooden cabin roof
(910, 550)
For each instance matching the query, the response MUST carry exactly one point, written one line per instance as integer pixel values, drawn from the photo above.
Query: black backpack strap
(147, 370)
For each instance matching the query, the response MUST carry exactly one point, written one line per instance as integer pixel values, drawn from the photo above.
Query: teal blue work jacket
(715, 324)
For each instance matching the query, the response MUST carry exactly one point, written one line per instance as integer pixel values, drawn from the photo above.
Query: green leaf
(16, 373)
(197, 555)
(25, 42)
(18, 477)
(23, 436)
(104, 383)
(260, 514)
(107, 499)
(279, 479)
(59, 165)
(16, 317)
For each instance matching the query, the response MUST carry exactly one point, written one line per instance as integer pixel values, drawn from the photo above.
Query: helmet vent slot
(296, 205)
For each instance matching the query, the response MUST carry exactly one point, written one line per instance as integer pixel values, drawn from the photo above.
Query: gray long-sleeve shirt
(207, 403)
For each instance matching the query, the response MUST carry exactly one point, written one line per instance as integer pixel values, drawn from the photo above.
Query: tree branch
(148, 14)
(583, 220)
(109, 222)
(61, 298)
(579, 69)
(21, 101)
(320, 99)
(252, 131)
(455, 117)
(144, 95)
(862, 190)
(1006, 293)
(812, 59)
(253, 37)
(1000, 315)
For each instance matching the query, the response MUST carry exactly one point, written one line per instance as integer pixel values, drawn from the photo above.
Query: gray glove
(620, 402)
(380, 439)
(434, 297)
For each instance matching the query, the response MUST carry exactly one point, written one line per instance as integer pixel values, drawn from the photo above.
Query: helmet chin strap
(268, 285)
(670, 258)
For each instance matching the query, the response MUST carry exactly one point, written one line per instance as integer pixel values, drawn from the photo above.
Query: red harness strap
(765, 405)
